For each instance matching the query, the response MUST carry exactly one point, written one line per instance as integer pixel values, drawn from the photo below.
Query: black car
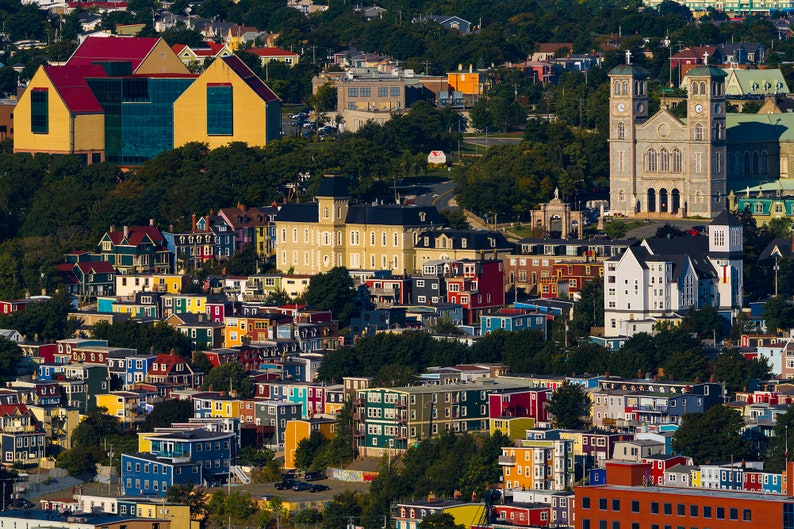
(314, 475)
(284, 484)
(318, 487)
(300, 485)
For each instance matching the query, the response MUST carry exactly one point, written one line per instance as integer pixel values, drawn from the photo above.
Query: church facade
(662, 166)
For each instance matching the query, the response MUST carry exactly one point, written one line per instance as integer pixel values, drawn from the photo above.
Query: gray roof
(726, 218)
(475, 239)
(333, 186)
(629, 69)
(306, 212)
(394, 215)
(703, 70)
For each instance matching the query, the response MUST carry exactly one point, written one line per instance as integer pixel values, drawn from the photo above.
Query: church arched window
(651, 162)
(664, 160)
(694, 89)
(621, 195)
(621, 130)
(625, 87)
(703, 88)
(617, 88)
(677, 160)
(698, 131)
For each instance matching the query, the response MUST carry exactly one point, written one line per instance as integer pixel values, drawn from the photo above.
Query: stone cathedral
(662, 166)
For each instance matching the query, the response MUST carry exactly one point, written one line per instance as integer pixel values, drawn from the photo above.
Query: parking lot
(302, 499)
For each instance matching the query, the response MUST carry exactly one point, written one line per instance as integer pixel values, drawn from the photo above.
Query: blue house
(136, 368)
(514, 320)
(148, 475)
(195, 456)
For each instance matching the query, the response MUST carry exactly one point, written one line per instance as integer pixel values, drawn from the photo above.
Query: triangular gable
(662, 125)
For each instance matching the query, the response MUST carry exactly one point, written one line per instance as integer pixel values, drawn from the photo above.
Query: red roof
(99, 267)
(271, 52)
(133, 49)
(135, 235)
(211, 50)
(13, 409)
(260, 88)
(70, 83)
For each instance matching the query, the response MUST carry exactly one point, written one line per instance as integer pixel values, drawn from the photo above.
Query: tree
(340, 450)
(165, 413)
(78, 461)
(332, 291)
(345, 505)
(188, 494)
(442, 520)
(231, 376)
(567, 405)
(97, 427)
(711, 436)
(325, 99)
(589, 310)
(10, 356)
(782, 438)
(778, 314)
(736, 371)
(308, 449)
(201, 363)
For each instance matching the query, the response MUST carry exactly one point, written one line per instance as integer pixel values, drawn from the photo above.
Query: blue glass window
(39, 111)
(219, 110)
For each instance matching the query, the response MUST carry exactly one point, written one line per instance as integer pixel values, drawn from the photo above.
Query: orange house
(300, 429)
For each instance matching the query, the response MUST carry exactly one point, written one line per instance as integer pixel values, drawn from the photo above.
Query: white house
(661, 278)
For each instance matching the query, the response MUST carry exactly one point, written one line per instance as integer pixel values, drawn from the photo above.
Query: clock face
(698, 108)
(717, 109)
(621, 107)
(640, 107)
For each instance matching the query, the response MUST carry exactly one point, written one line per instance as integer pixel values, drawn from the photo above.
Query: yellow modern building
(59, 114)
(314, 237)
(300, 429)
(227, 103)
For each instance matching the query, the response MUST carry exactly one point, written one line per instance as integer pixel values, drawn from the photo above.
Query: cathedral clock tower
(628, 105)
(706, 189)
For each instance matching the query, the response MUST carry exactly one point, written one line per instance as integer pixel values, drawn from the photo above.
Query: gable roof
(70, 83)
(272, 52)
(132, 49)
(305, 212)
(394, 215)
(97, 267)
(136, 235)
(249, 77)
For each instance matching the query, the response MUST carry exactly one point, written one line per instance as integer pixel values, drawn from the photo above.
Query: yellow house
(178, 515)
(267, 55)
(695, 479)
(410, 515)
(227, 103)
(576, 438)
(59, 114)
(145, 441)
(513, 427)
(300, 429)
(208, 405)
(170, 283)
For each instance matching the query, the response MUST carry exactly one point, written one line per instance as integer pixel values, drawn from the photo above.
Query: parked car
(299, 115)
(318, 487)
(314, 475)
(300, 485)
(284, 484)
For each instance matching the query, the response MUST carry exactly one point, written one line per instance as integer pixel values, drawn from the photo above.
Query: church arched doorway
(675, 201)
(663, 205)
(651, 200)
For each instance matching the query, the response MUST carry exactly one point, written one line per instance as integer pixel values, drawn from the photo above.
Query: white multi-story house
(663, 278)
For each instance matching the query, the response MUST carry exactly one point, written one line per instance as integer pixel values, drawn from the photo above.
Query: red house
(478, 286)
(522, 515)
(520, 403)
(660, 463)
(387, 292)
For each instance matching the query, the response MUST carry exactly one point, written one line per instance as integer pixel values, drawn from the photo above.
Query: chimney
(126, 231)
(112, 228)
(151, 222)
(193, 219)
(471, 68)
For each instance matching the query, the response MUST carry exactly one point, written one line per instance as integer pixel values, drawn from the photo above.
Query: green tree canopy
(712, 436)
(332, 291)
(568, 405)
(229, 376)
(165, 413)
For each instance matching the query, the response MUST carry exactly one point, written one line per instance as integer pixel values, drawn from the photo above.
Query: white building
(661, 278)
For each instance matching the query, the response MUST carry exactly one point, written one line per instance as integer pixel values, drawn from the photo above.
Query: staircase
(239, 474)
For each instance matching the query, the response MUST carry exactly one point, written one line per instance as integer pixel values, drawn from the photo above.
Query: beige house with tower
(314, 237)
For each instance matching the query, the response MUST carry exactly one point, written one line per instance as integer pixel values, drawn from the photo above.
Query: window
(602, 504)
(654, 508)
(352, 92)
(616, 505)
(693, 511)
(720, 513)
(383, 91)
(585, 502)
(394, 91)
(39, 111)
(635, 506)
(219, 109)
(680, 509)
(747, 515)
(668, 509)
(706, 512)
(733, 513)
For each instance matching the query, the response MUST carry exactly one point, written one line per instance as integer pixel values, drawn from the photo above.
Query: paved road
(490, 141)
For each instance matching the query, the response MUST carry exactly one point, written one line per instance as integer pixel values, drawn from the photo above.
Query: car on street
(300, 485)
(318, 487)
(314, 475)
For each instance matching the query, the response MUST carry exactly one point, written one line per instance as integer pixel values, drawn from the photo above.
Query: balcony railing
(507, 460)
